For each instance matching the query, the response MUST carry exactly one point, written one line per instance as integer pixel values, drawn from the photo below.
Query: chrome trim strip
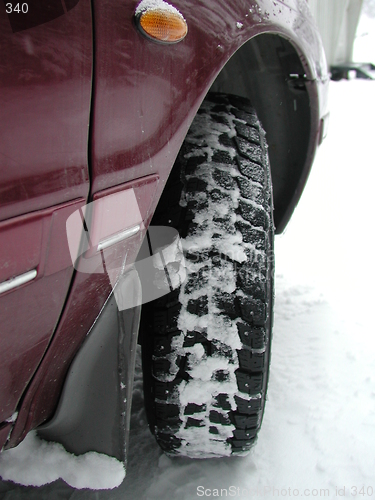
(118, 237)
(5, 286)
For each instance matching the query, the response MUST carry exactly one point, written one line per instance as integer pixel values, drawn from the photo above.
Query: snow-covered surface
(170, 263)
(13, 418)
(36, 462)
(318, 430)
(146, 5)
(364, 45)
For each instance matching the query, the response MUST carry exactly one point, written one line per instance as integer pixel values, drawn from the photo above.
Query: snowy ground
(364, 46)
(318, 431)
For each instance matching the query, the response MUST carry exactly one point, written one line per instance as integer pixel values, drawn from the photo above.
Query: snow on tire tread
(214, 377)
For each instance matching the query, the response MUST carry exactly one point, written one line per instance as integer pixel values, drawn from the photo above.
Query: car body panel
(45, 81)
(29, 313)
(89, 291)
(45, 100)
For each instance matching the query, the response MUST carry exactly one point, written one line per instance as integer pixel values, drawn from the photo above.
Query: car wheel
(206, 345)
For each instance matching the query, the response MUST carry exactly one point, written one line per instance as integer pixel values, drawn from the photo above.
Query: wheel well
(268, 71)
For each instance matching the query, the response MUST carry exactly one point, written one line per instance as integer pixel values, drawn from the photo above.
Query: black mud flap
(94, 409)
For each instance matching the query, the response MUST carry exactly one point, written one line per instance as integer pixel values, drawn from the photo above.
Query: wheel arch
(269, 71)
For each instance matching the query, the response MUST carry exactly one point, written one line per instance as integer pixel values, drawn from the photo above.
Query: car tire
(206, 344)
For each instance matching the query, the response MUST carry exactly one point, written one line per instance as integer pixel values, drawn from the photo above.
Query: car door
(45, 98)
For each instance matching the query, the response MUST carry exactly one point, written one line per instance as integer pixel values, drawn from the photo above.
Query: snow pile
(35, 462)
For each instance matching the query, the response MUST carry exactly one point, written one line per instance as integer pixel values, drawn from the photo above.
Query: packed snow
(318, 433)
(146, 5)
(36, 462)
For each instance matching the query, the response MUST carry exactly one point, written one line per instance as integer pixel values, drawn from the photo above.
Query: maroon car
(148, 154)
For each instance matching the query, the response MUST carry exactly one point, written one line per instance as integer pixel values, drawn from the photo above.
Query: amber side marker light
(162, 25)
